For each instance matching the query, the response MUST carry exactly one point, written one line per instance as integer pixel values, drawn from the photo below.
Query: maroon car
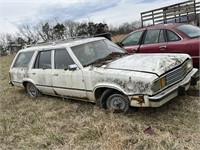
(167, 38)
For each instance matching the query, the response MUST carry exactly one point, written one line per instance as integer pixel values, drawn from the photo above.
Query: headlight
(189, 64)
(156, 86)
(159, 84)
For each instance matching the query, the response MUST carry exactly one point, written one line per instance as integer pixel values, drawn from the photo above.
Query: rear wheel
(118, 103)
(32, 90)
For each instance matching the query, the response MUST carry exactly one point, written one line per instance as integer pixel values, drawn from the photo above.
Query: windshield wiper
(103, 61)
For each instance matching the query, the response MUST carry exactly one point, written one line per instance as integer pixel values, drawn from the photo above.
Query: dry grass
(54, 123)
(117, 38)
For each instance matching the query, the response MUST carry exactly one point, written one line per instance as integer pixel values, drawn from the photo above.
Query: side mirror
(72, 67)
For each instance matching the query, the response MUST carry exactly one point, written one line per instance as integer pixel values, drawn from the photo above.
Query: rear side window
(43, 60)
(171, 36)
(62, 59)
(23, 59)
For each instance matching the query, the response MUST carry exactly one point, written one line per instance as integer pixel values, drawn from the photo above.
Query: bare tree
(44, 30)
(71, 28)
(3, 39)
(28, 34)
(39, 31)
(125, 28)
(3, 43)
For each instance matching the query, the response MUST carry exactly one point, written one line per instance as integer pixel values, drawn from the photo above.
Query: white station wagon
(97, 70)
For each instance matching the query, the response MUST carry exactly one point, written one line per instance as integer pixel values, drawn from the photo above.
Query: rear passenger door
(41, 72)
(154, 41)
(67, 82)
(176, 44)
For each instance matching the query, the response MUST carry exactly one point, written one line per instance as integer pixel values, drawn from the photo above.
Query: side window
(152, 36)
(23, 59)
(43, 60)
(62, 59)
(132, 39)
(171, 36)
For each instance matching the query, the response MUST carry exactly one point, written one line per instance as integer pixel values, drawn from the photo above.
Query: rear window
(23, 59)
(190, 30)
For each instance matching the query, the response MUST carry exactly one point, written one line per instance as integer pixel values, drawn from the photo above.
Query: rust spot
(130, 86)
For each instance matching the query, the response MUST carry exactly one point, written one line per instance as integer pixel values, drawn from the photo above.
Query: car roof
(159, 26)
(62, 44)
(167, 26)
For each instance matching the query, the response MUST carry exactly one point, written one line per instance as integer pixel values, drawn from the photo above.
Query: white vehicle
(99, 71)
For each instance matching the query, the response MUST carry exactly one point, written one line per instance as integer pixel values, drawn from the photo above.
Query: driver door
(67, 82)
(132, 42)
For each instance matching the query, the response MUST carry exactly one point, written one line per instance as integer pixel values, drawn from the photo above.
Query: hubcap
(32, 90)
(117, 104)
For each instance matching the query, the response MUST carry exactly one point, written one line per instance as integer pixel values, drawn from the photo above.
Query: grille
(176, 75)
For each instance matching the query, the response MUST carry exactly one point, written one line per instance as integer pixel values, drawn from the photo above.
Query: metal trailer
(184, 12)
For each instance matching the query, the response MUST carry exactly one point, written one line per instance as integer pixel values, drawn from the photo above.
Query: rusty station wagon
(97, 70)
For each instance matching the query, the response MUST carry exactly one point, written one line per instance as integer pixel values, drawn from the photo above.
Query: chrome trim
(171, 72)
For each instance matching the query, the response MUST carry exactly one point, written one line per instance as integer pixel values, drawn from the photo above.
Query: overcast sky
(16, 12)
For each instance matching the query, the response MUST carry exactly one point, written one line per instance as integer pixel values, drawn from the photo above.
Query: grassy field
(55, 123)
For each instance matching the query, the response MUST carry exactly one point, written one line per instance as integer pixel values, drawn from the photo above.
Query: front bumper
(166, 95)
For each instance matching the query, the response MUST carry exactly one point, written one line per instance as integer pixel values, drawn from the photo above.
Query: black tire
(106, 94)
(32, 90)
(118, 103)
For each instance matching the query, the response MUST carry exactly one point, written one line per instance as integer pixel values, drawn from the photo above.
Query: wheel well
(101, 97)
(100, 91)
(25, 83)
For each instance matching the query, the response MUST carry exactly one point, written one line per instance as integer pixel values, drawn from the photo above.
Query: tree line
(52, 30)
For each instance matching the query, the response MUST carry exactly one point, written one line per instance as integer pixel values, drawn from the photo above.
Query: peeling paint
(130, 86)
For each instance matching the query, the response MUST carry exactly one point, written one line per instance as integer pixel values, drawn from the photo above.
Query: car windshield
(190, 30)
(97, 52)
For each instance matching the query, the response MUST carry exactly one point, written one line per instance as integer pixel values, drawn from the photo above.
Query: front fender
(111, 86)
(28, 80)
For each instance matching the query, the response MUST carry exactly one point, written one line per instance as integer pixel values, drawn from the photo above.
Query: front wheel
(118, 103)
(32, 90)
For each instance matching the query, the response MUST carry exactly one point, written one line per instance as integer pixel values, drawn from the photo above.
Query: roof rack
(56, 42)
(65, 40)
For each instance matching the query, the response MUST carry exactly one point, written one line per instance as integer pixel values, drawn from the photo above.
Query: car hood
(151, 63)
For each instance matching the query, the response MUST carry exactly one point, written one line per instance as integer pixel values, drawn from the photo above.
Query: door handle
(55, 74)
(134, 49)
(163, 47)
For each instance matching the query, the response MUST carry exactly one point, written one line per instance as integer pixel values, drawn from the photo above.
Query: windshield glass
(91, 52)
(190, 30)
